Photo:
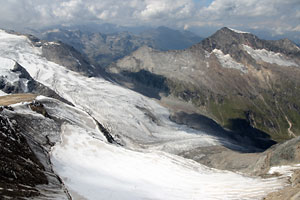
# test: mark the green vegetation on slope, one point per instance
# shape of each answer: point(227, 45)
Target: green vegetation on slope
point(274, 112)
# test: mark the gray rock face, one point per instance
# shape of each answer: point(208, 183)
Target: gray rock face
point(286, 153)
point(228, 41)
point(258, 164)
point(25, 168)
point(67, 56)
point(18, 178)
point(64, 55)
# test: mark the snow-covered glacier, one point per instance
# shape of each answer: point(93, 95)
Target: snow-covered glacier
point(145, 167)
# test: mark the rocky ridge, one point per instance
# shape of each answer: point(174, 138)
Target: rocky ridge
point(61, 53)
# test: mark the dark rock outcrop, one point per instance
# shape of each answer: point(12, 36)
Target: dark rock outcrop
point(26, 140)
point(228, 41)
point(67, 56)
point(20, 169)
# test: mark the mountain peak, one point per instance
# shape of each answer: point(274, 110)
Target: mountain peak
point(227, 39)
point(226, 31)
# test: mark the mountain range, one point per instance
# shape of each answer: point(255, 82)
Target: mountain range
point(104, 48)
point(197, 123)
point(233, 77)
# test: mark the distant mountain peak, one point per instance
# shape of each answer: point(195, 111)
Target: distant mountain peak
point(228, 40)
point(226, 32)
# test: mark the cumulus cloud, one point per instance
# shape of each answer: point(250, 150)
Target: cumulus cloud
point(278, 15)
point(275, 16)
point(125, 12)
point(247, 8)
point(167, 8)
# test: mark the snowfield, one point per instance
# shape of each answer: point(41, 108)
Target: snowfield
point(227, 61)
point(143, 169)
point(268, 56)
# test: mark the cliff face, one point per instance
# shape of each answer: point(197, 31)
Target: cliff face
point(235, 78)
point(25, 167)
point(20, 170)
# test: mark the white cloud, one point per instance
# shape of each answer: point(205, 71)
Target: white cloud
point(275, 16)
point(249, 8)
point(166, 12)
point(297, 28)
point(266, 14)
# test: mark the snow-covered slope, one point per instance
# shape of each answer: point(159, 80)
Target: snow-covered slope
point(227, 61)
point(92, 169)
point(268, 56)
point(237, 31)
point(137, 120)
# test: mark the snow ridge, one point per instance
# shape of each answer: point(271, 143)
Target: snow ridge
point(237, 31)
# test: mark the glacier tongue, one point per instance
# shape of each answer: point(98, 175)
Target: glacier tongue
point(93, 169)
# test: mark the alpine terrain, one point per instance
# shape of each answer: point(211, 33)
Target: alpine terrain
point(104, 48)
point(70, 131)
point(243, 83)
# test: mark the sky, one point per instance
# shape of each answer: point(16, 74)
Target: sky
point(278, 18)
